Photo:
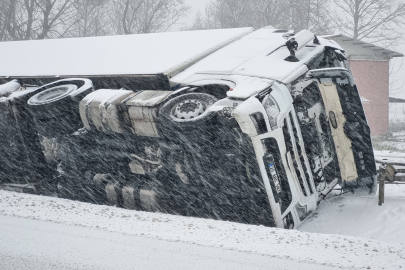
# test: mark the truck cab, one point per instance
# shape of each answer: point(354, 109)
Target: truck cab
point(302, 112)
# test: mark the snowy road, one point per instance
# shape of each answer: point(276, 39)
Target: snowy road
point(32, 244)
point(49, 233)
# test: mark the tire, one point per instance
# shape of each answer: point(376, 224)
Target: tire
point(52, 95)
point(186, 113)
point(55, 107)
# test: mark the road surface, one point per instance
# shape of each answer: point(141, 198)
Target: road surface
point(32, 244)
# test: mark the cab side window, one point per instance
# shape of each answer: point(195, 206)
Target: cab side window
point(328, 59)
point(272, 110)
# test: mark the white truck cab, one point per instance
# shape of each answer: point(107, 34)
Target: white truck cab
point(289, 103)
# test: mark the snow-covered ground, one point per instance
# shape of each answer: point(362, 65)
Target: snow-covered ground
point(389, 157)
point(392, 141)
point(63, 234)
point(362, 217)
point(397, 112)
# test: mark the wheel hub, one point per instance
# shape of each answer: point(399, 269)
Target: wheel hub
point(188, 109)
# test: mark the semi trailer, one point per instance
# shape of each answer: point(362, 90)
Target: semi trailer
point(244, 125)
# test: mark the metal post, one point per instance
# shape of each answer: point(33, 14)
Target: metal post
point(381, 179)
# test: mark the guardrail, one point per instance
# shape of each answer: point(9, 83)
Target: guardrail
point(388, 174)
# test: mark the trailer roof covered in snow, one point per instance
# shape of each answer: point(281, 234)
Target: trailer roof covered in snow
point(141, 54)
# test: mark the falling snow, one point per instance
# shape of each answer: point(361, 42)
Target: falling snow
point(218, 146)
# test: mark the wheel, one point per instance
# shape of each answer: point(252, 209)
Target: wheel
point(187, 112)
point(55, 107)
point(52, 94)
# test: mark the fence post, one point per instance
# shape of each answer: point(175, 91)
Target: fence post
point(381, 180)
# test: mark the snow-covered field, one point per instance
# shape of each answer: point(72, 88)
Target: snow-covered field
point(61, 234)
point(397, 112)
point(394, 142)
point(390, 157)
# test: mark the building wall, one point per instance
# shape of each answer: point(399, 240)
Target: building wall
point(372, 79)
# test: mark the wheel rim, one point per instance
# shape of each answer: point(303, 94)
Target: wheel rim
point(53, 93)
point(188, 109)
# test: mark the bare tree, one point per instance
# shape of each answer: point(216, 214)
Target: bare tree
point(229, 14)
point(91, 18)
point(20, 19)
point(147, 16)
point(40, 19)
point(37, 19)
point(313, 15)
point(55, 16)
point(290, 14)
point(127, 13)
point(271, 12)
point(396, 84)
point(234, 13)
point(4, 8)
point(379, 21)
point(206, 20)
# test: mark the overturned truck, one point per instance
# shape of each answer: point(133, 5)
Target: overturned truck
point(241, 125)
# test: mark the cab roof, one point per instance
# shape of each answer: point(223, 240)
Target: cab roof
point(259, 54)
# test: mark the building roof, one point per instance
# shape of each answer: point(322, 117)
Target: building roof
point(141, 54)
point(357, 48)
point(397, 100)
